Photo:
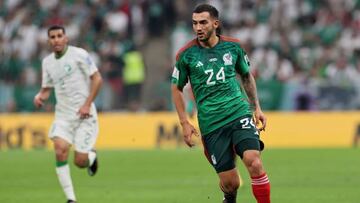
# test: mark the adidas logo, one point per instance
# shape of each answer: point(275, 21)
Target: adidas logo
point(199, 64)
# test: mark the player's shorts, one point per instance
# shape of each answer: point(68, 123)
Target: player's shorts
point(81, 133)
point(222, 145)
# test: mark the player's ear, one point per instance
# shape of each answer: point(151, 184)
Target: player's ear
point(216, 23)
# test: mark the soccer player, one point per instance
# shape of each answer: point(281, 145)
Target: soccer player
point(225, 112)
point(76, 81)
point(356, 136)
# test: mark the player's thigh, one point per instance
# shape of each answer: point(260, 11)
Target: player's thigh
point(86, 135)
point(245, 136)
point(219, 150)
point(61, 131)
point(61, 135)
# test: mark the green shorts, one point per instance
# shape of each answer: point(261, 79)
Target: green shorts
point(222, 145)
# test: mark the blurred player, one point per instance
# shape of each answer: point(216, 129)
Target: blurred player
point(76, 80)
point(356, 136)
point(210, 62)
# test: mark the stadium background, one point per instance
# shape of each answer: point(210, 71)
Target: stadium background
point(305, 55)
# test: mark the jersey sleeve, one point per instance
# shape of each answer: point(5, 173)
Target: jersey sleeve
point(46, 79)
point(242, 63)
point(86, 63)
point(180, 73)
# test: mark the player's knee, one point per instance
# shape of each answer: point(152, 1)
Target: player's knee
point(255, 167)
point(230, 186)
point(61, 154)
point(81, 162)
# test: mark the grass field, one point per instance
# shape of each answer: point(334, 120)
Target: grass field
point(181, 176)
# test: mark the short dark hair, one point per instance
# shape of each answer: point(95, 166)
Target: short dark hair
point(207, 8)
point(56, 27)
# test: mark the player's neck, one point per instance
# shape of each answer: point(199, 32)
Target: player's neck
point(211, 42)
point(61, 53)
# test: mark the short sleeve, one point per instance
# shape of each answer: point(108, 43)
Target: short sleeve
point(46, 79)
point(87, 64)
point(180, 73)
point(242, 62)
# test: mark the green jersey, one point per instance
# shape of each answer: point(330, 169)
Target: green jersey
point(212, 75)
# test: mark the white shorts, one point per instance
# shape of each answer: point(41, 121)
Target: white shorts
point(81, 133)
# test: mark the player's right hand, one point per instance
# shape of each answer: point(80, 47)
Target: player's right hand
point(188, 131)
point(38, 101)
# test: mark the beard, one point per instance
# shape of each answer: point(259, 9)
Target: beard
point(206, 36)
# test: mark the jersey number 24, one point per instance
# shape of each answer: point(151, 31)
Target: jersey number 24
point(220, 76)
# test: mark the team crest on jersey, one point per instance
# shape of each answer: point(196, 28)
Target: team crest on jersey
point(67, 68)
point(227, 59)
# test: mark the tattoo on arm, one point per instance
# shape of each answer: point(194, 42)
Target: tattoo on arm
point(249, 85)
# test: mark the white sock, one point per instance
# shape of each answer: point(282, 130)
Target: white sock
point(91, 156)
point(63, 173)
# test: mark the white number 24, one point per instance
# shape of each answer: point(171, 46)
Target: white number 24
point(245, 124)
point(219, 76)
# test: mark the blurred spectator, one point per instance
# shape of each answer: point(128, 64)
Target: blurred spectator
point(25, 90)
point(7, 103)
point(293, 46)
point(134, 77)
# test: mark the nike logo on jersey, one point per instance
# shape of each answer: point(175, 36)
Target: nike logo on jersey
point(213, 59)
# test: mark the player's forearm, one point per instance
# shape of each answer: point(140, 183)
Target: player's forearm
point(96, 82)
point(178, 100)
point(249, 84)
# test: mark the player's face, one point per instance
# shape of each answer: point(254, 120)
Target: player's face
point(204, 25)
point(57, 40)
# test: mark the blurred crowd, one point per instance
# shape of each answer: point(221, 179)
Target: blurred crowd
point(305, 54)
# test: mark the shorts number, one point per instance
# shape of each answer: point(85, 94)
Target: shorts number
point(245, 123)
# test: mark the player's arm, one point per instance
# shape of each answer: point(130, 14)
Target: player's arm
point(249, 85)
point(46, 86)
point(179, 80)
point(95, 84)
point(42, 96)
point(187, 127)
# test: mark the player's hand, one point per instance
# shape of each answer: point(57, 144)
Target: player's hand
point(84, 112)
point(188, 131)
point(260, 117)
point(38, 101)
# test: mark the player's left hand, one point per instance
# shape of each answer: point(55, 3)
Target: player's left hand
point(260, 117)
point(84, 112)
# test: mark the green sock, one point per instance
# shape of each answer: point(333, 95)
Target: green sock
point(61, 163)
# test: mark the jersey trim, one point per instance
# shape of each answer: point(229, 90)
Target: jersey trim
point(229, 39)
point(62, 53)
point(187, 46)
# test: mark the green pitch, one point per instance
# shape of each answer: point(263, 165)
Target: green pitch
point(181, 176)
